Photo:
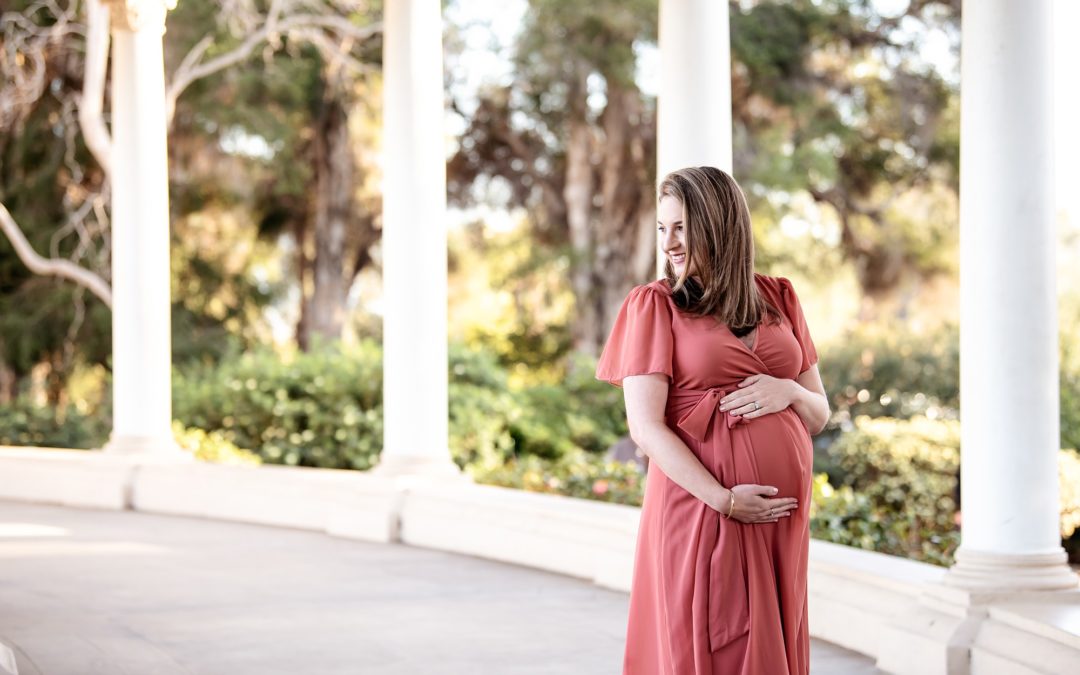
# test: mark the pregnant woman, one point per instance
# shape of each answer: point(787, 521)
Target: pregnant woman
point(722, 393)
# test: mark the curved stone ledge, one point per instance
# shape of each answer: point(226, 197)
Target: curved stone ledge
point(889, 608)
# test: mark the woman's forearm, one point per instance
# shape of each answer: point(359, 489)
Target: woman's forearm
point(679, 463)
point(812, 407)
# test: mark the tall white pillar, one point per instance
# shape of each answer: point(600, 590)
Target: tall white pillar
point(693, 112)
point(142, 353)
point(1008, 304)
point(415, 356)
point(693, 115)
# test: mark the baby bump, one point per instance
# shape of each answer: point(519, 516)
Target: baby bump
point(783, 452)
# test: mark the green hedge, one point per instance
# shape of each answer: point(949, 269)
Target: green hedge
point(891, 486)
point(895, 490)
point(322, 408)
point(576, 474)
point(882, 371)
point(23, 422)
point(212, 446)
point(879, 371)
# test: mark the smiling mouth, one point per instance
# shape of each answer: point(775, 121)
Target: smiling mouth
point(678, 258)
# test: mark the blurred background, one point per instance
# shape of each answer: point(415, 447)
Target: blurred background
point(846, 142)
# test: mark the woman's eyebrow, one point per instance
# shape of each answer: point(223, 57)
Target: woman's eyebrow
point(674, 222)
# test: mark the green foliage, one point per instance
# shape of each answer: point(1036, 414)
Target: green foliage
point(24, 422)
point(558, 36)
point(479, 408)
point(492, 421)
point(1069, 320)
point(212, 446)
point(891, 486)
point(575, 474)
point(1069, 493)
point(885, 372)
point(322, 408)
point(897, 484)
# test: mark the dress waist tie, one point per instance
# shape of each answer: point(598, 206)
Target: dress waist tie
point(720, 561)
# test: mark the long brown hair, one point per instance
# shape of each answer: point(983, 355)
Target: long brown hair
point(720, 246)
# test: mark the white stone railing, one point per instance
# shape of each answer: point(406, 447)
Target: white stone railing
point(858, 599)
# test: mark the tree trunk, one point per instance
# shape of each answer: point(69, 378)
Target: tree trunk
point(303, 282)
point(578, 195)
point(333, 208)
point(626, 234)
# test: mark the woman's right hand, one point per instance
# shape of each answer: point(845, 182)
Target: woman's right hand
point(755, 504)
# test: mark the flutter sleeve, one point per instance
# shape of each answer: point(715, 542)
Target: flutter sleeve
point(793, 310)
point(640, 341)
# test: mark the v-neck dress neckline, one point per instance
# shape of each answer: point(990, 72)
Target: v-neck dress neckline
point(757, 338)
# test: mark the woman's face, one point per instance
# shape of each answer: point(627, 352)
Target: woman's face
point(672, 231)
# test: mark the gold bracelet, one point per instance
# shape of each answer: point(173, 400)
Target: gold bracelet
point(731, 508)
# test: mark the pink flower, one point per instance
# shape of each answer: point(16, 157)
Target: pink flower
point(600, 487)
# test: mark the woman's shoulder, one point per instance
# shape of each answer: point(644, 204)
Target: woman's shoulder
point(652, 291)
point(778, 286)
point(657, 286)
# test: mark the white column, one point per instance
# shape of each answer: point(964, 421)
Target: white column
point(694, 106)
point(142, 355)
point(693, 113)
point(415, 358)
point(1008, 303)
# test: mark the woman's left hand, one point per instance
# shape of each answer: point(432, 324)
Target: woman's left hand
point(771, 394)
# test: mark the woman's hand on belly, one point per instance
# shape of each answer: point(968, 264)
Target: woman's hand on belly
point(755, 504)
point(771, 394)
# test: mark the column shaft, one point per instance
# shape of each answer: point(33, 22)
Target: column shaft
point(415, 358)
point(1008, 313)
point(694, 103)
point(142, 389)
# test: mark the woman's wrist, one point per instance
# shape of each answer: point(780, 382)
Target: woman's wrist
point(723, 501)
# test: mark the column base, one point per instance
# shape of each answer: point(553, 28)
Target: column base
point(953, 630)
point(417, 466)
point(990, 572)
point(162, 448)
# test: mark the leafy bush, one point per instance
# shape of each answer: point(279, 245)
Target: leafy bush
point(1069, 492)
point(480, 408)
point(23, 422)
point(211, 447)
point(879, 371)
point(901, 480)
point(891, 486)
point(491, 420)
point(322, 408)
point(844, 516)
point(576, 474)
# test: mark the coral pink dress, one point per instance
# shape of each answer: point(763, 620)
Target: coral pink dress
point(712, 596)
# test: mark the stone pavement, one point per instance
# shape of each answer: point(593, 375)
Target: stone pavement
point(84, 592)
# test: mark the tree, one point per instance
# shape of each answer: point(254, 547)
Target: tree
point(54, 142)
point(829, 100)
point(574, 137)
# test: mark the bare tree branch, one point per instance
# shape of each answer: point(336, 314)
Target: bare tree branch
point(192, 69)
point(32, 36)
point(92, 100)
point(65, 269)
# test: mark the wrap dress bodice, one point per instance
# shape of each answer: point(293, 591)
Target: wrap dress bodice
point(712, 596)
